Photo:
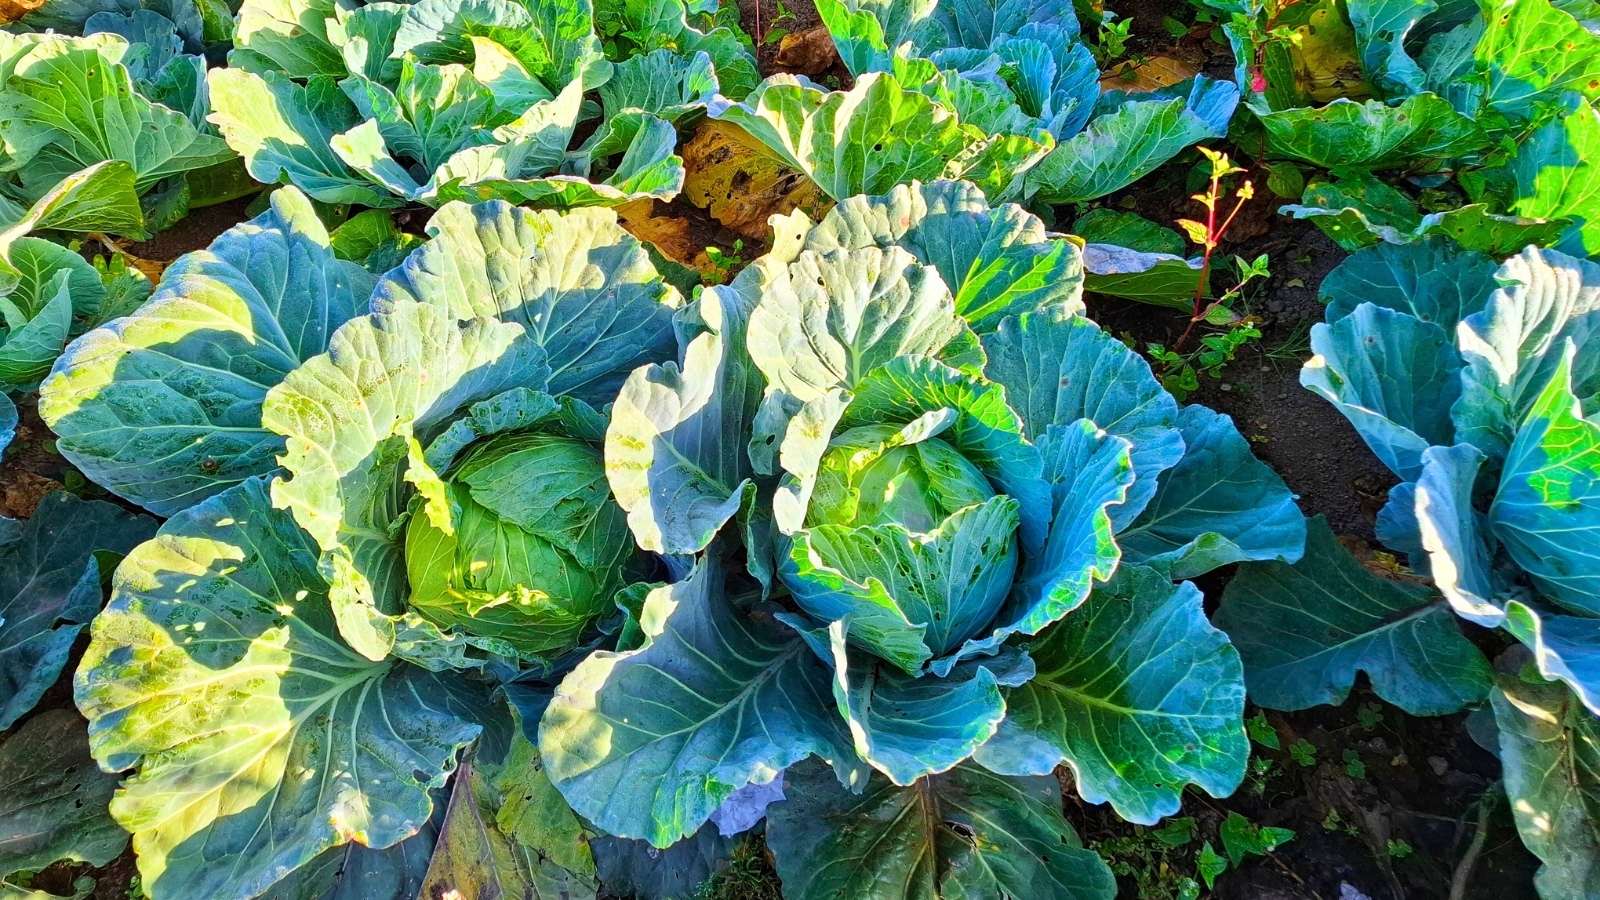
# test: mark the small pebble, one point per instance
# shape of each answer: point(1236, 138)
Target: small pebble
point(1224, 387)
point(1438, 764)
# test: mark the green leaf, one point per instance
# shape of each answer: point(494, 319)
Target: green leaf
point(1393, 376)
point(1531, 52)
point(476, 857)
point(675, 449)
point(1546, 512)
point(1242, 839)
point(56, 806)
point(283, 130)
point(98, 198)
point(50, 577)
point(288, 36)
point(830, 318)
point(1159, 278)
point(908, 597)
point(676, 873)
point(1126, 229)
point(1305, 630)
point(583, 288)
point(669, 84)
point(997, 260)
point(648, 743)
point(163, 407)
point(1120, 147)
point(1137, 693)
point(1218, 505)
point(1381, 28)
point(66, 107)
point(1557, 177)
point(1058, 368)
point(33, 342)
point(261, 738)
point(347, 414)
point(908, 727)
point(965, 833)
point(1514, 345)
point(1370, 135)
point(1210, 865)
point(862, 141)
point(361, 234)
point(1550, 750)
point(1433, 279)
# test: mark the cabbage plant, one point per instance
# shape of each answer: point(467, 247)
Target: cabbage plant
point(1016, 70)
point(929, 534)
point(1470, 381)
point(387, 497)
point(382, 104)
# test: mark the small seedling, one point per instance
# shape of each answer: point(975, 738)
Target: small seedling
point(1210, 865)
point(1261, 731)
point(1303, 752)
point(1369, 715)
point(1399, 849)
point(1242, 838)
point(1353, 764)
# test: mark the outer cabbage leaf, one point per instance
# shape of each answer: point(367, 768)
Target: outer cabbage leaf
point(1564, 648)
point(583, 288)
point(636, 868)
point(1305, 630)
point(1354, 225)
point(261, 738)
point(1532, 52)
point(965, 833)
point(1121, 146)
point(288, 36)
point(863, 141)
point(830, 318)
point(648, 743)
point(348, 416)
point(283, 130)
point(1393, 376)
point(56, 808)
point(1381, 28)
point(50, 575)
point(1432, 279)
point(1550, 748)
point(997, 261)
point(66, 107)
point(1058, 368)
point(675, 448)
point(1546, 512)
point(1513, 346)
point(163, 407)
point(1557, 177)
point(1218, 505)
point(636, 27)
point(1451, 533)
point(1370, 135)
point(1137, 693)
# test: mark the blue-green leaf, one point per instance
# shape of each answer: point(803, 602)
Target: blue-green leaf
point(1452, 534)
point(583, 288)
point(1137, 693)
point(1305, 630)
point(50, 577)
point(1433, 279)
point(1394, 376)
point(1513, 346)
point(1371, 135)
point(648, 743)
point(1218, 505)
point(57, 808)
point(261, 739)
point(1547, 510)
point(964, 833)
point(997, 261)
point(164, 407)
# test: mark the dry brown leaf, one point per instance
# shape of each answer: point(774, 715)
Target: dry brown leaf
point(1148, 75)
point(12, 10)
point(24, 490)
point(669, 234)
point(808, 52)
point(742, 183)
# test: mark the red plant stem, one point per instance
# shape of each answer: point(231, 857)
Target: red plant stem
point(1213, 237)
